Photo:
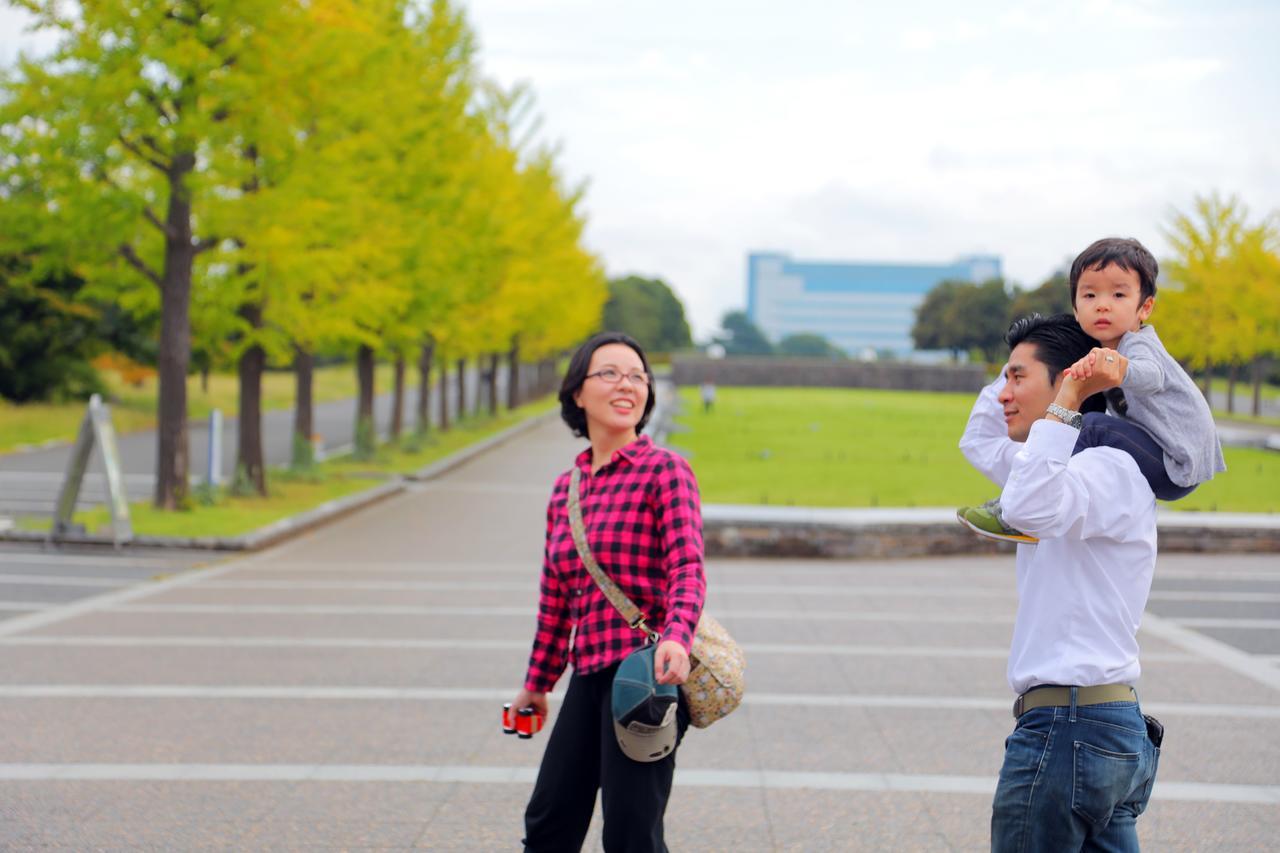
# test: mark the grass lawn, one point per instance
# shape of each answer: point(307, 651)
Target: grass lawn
point(863, 447)
point(292, 493)
point(134, 408)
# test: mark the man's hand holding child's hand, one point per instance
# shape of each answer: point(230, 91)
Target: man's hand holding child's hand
point(1101, 369)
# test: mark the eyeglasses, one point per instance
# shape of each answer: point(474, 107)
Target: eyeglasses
point(614, 377)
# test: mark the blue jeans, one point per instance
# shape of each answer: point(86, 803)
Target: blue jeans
point(1102, 430)
point(1074, 778)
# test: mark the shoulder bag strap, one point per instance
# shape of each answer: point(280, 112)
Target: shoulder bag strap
point(635, 618)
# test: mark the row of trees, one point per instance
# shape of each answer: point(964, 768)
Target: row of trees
point(1218, 303)
point(740, 336)
point(267, 180)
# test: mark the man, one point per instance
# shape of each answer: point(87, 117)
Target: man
point(1079, 766)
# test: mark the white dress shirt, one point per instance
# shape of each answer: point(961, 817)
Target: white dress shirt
point(1083, 588)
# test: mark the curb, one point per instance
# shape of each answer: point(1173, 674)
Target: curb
point(758, 531)
point(287, 528)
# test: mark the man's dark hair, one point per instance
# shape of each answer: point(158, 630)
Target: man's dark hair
point(570, 411)
point(1124, 252)
point(1059, 343)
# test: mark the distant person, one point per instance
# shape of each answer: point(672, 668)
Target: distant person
point(1080, 763)
point(708, 396)
point(643, 521)
point(1162, 420)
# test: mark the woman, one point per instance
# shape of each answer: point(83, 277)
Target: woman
point(644, 526)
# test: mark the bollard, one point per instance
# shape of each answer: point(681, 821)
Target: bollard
point(213, 476)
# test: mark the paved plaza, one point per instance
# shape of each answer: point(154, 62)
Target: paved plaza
point(344, 690)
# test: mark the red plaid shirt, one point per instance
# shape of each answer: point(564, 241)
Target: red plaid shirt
point(644, 525)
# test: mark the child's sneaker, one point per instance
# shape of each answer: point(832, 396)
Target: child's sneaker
point(985, 520)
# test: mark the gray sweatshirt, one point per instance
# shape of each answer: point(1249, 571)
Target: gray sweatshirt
point(1163, 400)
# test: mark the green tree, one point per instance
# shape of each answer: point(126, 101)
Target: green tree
point(649, 311)
point(809, 346)
point(47, 338)
point(1199, 309)
point(743, 337)
point(1052, 296)
point(962, 316)
point(137, 109)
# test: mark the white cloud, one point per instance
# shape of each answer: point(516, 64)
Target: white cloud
point(874, 131)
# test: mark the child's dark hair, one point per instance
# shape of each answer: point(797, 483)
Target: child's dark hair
point(1059, 343)
point(1124, 252)
point(570, 411)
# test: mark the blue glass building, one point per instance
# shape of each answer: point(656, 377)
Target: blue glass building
point(859, 307)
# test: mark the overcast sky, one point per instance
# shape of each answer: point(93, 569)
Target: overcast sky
point(908, 131)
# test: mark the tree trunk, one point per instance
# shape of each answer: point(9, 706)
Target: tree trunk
point(1206, 383)
point(172, 458)
point(424, 385)
point(492, 377)
point(366, 438)
point(303, 408)
point(397, 400)
point(250, 468)
point(462, 388)
point(1257, 386)
point(444, 394)
point(1231, 388)
point(204, 379)
point(513, 374)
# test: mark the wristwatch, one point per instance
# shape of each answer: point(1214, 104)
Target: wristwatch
point(1068, 417)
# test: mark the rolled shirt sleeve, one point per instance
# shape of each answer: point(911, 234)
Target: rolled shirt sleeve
point(679, 516)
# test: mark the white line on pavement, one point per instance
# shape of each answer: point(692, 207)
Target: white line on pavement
point(1227, 622)
point(1177, 632)
point(23, 605)
point(757, 779)
point(825, 591)
point(410, 610)
point(67, 580)
point(470, 694)
point(220, 641)
point(129, 559)
point(109, 600)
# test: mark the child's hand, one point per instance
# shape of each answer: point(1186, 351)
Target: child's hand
point(1105, 369)
point(1083, 368)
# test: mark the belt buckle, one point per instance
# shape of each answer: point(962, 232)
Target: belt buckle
point(1017, 705)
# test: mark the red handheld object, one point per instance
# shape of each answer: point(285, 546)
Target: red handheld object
point(528, 723)
point(508, 720)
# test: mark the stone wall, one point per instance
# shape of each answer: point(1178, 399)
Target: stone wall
point(827, 373)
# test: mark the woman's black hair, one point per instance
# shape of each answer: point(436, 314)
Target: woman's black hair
point(1059, 343)
point(574, 415)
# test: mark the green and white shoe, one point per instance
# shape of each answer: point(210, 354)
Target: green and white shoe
point(985, 520)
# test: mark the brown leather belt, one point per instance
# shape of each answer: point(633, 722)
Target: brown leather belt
point(1044, 697)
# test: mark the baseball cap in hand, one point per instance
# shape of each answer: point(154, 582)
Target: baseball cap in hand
point(644, 711)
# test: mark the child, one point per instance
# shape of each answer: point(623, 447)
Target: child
point(1162, 420)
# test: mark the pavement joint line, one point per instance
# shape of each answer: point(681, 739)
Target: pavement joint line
point(222, 641)
point(115, 598)
point(525, 775)
point(722, 588)
point(413, 610)
point(24, 605)
point(1176, 631)
point(67, 580)
point(1227, 622)
point(95, 561)
point(333, 693)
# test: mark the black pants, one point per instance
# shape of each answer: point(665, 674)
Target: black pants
point(582, 757)
point(1102, 430)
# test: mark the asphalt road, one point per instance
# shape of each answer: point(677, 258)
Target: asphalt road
point(30, 480)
